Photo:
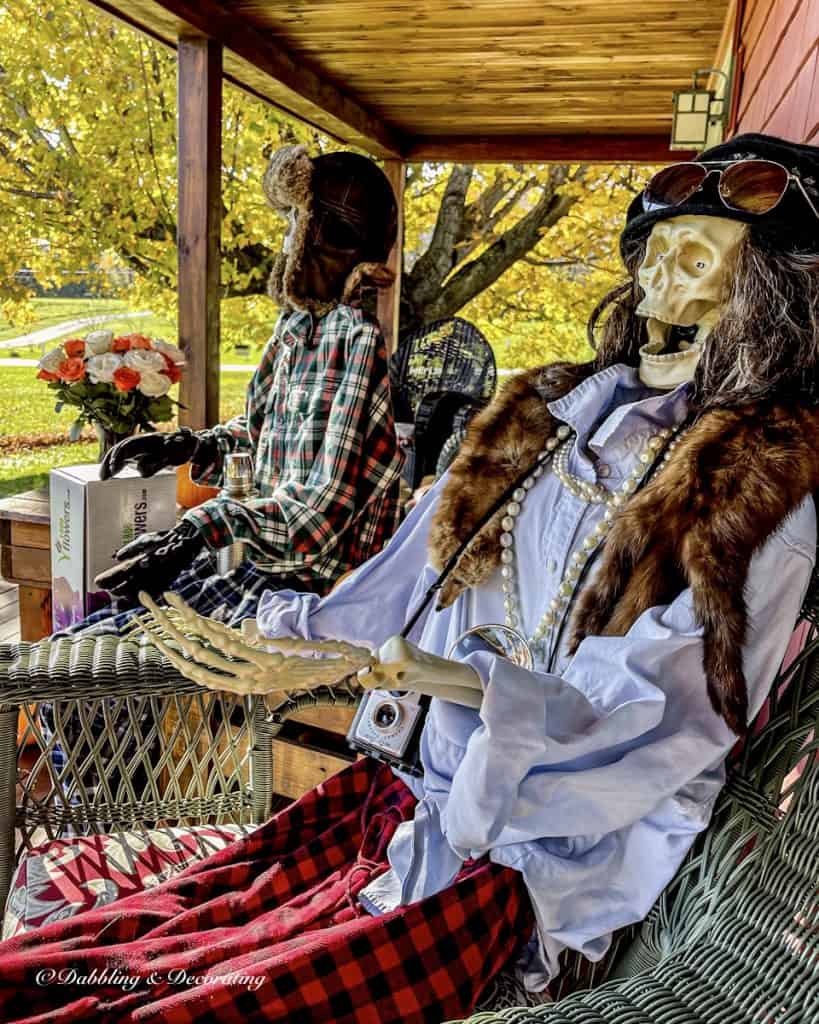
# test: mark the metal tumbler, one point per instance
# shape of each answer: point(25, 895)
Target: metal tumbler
point(237, 484)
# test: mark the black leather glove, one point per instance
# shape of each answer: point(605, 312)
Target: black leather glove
point(152, 452)
point(151, 562)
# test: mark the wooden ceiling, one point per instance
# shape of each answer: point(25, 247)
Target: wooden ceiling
point(461, 79)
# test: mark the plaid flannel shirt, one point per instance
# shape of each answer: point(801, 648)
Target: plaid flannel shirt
point(319, 425)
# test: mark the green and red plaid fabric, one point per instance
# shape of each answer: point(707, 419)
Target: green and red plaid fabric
point(268, 930)
point(319, 425)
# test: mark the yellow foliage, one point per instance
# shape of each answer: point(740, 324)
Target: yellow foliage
point(18, 312)
point(88, 181)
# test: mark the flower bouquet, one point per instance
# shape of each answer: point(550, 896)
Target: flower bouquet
point(119, 384)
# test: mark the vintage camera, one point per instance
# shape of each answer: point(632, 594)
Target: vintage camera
point(388, 726)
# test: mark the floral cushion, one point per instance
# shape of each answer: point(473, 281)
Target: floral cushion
point(64, 877)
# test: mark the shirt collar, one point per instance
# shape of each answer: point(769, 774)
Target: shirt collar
point(298, 327)
point(614, 402)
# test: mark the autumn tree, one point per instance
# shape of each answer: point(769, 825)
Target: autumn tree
point(88, 180)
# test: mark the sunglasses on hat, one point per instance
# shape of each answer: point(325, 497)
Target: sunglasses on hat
point(747, 186)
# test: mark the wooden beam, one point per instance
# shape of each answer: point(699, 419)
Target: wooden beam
point(304, 93)
point(389, 299)
point(737, 66)
point(600, 149)
point(199, 158)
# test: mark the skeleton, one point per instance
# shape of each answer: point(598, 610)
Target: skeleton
point(241, 662)
point(685, 276)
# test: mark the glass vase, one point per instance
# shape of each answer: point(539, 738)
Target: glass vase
point(108, 438)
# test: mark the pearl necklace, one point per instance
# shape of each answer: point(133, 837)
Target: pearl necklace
point(558, 447)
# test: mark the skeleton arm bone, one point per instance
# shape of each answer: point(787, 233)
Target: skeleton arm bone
point(400, 665)
point(237, 661)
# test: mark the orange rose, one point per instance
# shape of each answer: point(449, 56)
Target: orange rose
point(74, 347)
point(139, 341)
point(71, 370)
point(171, 369)
point(125, 379)
point(121, 344)
point(45, 375)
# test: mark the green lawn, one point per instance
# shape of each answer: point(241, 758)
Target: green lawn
point(49, 312)
point(27, 417)
point(52, 311)
point(153, 326)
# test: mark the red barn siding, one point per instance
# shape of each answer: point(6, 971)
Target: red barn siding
point(779, 58)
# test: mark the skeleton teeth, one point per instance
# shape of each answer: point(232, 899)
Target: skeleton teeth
point(657, 332)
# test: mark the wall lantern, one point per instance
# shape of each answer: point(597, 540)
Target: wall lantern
point(700, 115)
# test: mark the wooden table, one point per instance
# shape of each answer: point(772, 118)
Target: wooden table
point(25, 558)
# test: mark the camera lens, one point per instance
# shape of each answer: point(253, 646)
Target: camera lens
point(386, 716)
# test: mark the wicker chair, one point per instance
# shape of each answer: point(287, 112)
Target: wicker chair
point(170, 752)
point(734, 938)
point(439, 373)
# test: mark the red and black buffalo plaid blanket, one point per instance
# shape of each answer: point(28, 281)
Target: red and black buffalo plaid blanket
point(269, 929)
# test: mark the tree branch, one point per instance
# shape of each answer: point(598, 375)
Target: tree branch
point(494, 218)
point(482, 272)
point(434, 265)
point(151, 145)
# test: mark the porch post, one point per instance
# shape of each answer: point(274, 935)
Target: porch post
point(389, 299)
point(199, 161)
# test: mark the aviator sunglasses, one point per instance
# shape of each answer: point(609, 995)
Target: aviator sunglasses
point(748, 186)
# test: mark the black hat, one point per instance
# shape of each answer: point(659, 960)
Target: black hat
point(790, 226)
point(356, 190)
point(346, 220)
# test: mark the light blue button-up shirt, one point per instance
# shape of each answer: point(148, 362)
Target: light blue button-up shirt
point(594, 777)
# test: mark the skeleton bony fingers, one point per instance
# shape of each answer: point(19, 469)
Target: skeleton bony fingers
point(244, 646)
point(222, 658)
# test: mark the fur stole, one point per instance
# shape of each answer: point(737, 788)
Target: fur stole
point(731, 481)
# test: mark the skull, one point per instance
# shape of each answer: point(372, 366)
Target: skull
point(685, 275)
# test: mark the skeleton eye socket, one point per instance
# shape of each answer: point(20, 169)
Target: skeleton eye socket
point(695, 259)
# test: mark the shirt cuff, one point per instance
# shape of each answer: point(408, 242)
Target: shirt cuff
point(286, 613)
point(211, 525)
point(209, 474)
point(382, 895)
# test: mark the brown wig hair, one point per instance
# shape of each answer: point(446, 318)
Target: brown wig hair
point(765, 344)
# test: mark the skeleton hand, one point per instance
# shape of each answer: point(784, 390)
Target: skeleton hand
point(400, 665)
point(222, 658)
point(239, 661)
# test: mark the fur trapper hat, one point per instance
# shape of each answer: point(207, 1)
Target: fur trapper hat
point(344, 223)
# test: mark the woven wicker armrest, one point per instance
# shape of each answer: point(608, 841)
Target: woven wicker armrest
point(645, 999)
point(347, 693)
point(82, 667)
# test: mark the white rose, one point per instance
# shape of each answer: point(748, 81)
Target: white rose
point(153, 384)
point(98, 342)
point(170, 350)
point(101, 368)
point(143, 360)
point(51, 360)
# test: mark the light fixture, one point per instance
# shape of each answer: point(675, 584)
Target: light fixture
point(700, 115)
